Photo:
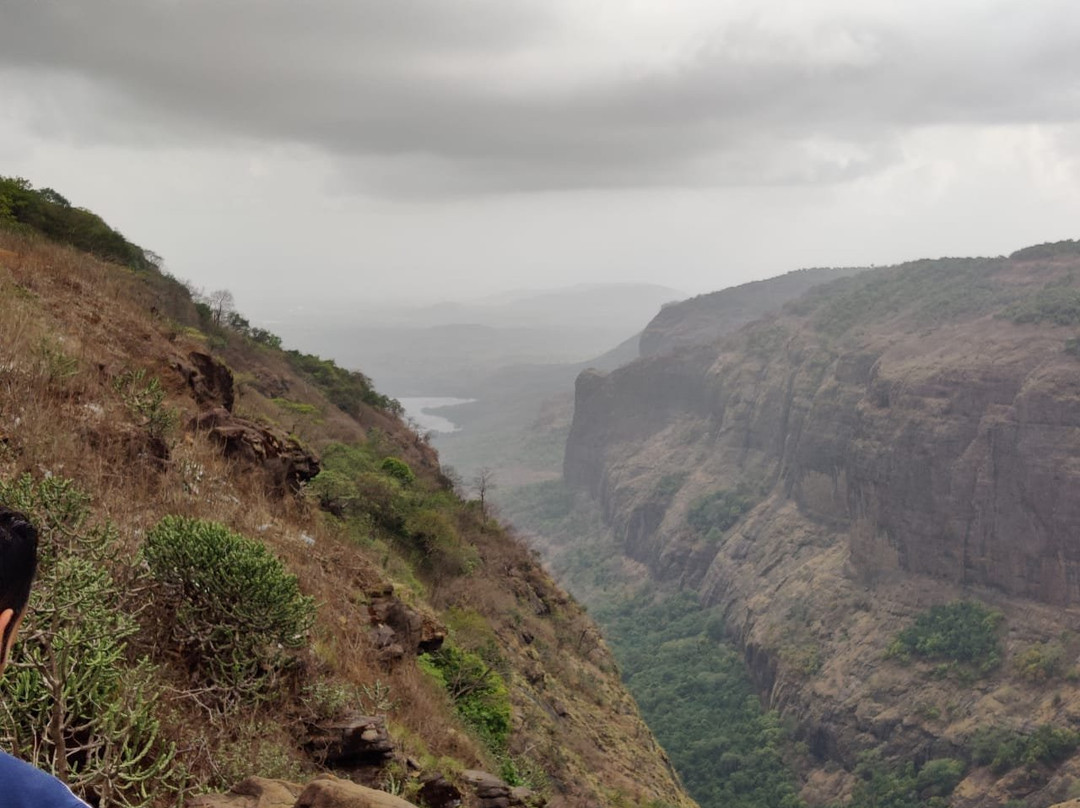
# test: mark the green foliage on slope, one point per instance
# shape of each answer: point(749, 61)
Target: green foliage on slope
point(238, 613)
point(1004, 749)
point(714, 514)
point(49, 213)
point(1053, 304)
point(891, 785)
point(478, 692)
point(697, 698)
point(75, 702)
point(346, 389)
point(961, 631)
point(930, 291)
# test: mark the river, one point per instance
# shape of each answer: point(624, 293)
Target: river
point(417, 408)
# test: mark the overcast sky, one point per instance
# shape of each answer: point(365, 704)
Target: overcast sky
point(334, 153)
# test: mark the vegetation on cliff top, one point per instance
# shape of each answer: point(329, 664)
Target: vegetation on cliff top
point(45, 211)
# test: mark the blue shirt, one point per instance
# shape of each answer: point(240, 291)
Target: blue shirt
point(23, 786)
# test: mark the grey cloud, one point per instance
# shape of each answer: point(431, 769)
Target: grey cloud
point(419, 97)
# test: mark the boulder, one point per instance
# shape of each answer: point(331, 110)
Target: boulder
point(492, 792)
point(254, 792)
point(328, 791)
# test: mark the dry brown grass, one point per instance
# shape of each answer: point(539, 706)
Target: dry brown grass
point(73, 324)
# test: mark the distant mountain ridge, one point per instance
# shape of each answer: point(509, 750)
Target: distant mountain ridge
point(705, 318)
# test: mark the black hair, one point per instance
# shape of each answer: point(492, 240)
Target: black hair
point(18, 563)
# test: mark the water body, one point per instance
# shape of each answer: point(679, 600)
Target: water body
point(417, 408)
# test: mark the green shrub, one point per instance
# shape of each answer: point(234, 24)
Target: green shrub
point(939, 777)
point(382, 499)
point(399, 470)
point(432, 530)
point(350, 460)
point(1003, 749)
point(961, 631)
point(238, 613)
point(1041, 661)
point(478, 692)
point(74, 703)
point(334, 491)
point(145, 399)
point(714, 514)
point(882, 784)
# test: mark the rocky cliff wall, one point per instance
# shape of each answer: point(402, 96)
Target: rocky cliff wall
point(904, 438)
point(951, 451)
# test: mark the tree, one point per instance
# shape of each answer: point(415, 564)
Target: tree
point(483, 482)
point(221, 302)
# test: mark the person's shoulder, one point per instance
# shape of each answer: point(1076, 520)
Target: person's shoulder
point(23, 786)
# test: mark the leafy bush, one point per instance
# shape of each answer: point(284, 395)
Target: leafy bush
point(714, 514)
point(145, 399)
point(939, 777)
point(1041, 661)
point(1004, 749)
point(74, 703)
point(961, 631)
point(884, 785)
point(399, 470)
point(478, 692)
point(334, 491)
point(238, 613)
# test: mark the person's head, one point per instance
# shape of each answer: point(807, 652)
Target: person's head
point(18, 563)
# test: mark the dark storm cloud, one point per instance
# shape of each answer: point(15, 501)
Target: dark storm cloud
point(419, 97)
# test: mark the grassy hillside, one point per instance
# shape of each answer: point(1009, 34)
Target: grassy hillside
point(243, 545)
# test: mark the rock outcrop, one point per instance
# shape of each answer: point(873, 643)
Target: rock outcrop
point(354, 740)
point(208, 379)
point(399, 628)
point(284, 462)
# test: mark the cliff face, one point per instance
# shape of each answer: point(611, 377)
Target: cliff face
point(905, 437)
